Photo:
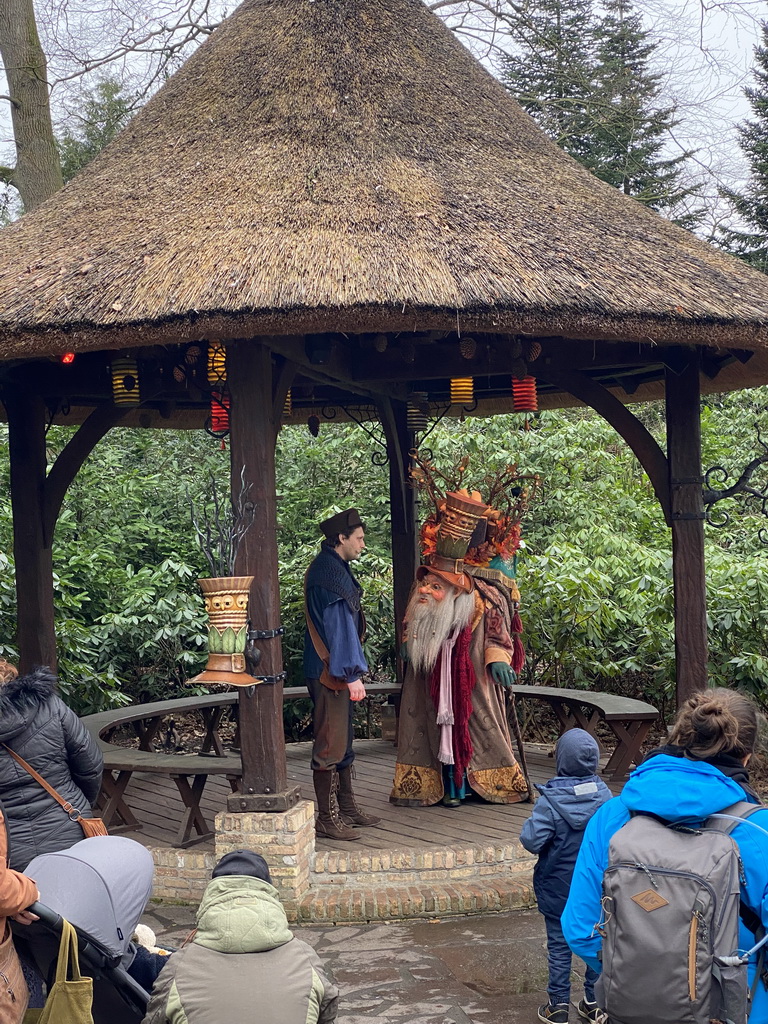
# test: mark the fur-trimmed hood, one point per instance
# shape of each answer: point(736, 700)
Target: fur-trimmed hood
point(21, 698)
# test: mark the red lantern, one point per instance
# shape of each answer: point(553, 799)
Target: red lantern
point(219, 413)
point(524, 397)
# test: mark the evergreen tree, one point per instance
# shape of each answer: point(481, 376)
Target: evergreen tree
point(104, 112)
point(751, 205)
point(551, 71)
point(631, 127)
point(587, 81)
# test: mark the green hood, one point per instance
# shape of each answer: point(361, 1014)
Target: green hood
point(239, 914)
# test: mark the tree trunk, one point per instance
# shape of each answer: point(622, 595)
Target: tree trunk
point(37, 174)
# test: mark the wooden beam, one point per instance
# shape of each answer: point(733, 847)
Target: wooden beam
point(253, 434)
point(683, 398)
point(402, 497)
point(639, 439)
point(71, 458)
point(27, 422)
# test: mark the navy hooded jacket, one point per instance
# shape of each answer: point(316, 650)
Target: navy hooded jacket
point(555, 829)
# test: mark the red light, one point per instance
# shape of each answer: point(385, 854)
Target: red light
point(524, 398)
point(68, 357)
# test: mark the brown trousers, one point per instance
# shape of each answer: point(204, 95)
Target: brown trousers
point(331, 726)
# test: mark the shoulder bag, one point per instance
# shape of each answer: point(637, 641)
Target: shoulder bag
point(90, 826)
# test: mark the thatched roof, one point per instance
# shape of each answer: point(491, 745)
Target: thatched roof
point(347, 165)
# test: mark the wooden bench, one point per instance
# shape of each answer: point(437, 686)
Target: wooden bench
point(629, 720)
point(146, 720)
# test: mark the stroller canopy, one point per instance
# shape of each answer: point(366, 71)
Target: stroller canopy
point(100, 885)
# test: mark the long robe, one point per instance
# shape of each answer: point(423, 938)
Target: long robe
point(493, 772)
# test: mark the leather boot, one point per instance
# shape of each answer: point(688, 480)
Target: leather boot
point(329, 822)
point(350, 812)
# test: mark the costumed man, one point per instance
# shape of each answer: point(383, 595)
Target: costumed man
point(462, 647)
point(333, 664)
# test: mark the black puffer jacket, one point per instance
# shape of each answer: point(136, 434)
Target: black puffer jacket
point(38, 725)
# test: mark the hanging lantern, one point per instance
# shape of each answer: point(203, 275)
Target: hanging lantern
point(288, 405)
point(524, 398)
point(217, 363)
point(125, 382)
point(462, 391)
point(416, 415)
point(468, 348)
point(219, 413)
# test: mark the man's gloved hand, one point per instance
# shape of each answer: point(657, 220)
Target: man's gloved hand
point(502, 673)
point(404, 651)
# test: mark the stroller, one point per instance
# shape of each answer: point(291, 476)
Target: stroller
point(101, 886)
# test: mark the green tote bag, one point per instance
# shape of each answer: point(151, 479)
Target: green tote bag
point(69, 1001)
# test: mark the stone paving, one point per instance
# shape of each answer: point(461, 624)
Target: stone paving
point(467, 970)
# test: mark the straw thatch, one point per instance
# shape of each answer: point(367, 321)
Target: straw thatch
point(347, 165)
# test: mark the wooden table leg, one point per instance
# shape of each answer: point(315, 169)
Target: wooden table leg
point(112, 802)
point(211, 719)
point(146, 729)
point(193, 815)
point(630, 737)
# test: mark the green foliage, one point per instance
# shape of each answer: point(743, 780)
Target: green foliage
point(104, 111)
point(595, 574)
point(586, 79)
point(750, 242)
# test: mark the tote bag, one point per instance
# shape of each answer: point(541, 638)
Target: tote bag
point(69, 1001)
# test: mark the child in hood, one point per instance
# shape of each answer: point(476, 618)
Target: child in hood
point(554, 831)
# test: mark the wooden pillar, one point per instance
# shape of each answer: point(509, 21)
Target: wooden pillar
point(683, 412)
point(254, 424)
point(27, 417)
point(402, 497)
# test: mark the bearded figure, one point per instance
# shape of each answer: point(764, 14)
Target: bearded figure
point(461, 639)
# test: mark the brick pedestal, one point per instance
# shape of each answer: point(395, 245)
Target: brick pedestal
point(286, 840)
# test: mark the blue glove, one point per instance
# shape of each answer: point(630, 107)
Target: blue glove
point(502, 673)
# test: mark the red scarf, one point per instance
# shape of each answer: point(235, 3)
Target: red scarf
point(462, 684)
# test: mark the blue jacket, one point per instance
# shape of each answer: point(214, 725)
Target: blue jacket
point(337, 623)
point(675, 789)
point(555, 829)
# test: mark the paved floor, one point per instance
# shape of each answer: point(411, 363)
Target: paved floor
point(468, 970)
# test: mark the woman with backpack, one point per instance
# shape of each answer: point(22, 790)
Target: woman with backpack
point(664, 805)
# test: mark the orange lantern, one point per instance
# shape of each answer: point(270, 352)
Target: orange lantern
point(524, 398)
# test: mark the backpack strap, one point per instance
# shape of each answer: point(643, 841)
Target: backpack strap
point(743, 810)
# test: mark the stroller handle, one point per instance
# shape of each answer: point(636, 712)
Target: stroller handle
point(46, 915)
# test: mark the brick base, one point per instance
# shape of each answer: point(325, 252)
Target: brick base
point(354, 885)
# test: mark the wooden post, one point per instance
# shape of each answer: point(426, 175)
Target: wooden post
point(27, 417)
point(254, 425)
point(683, 412)
point(402, 497)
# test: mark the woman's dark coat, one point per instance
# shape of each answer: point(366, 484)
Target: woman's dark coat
point(38, 725)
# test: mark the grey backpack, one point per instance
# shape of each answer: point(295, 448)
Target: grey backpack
point(670, 924)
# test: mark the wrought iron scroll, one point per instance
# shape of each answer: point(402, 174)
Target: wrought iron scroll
point(364, 416)
point(757, 496)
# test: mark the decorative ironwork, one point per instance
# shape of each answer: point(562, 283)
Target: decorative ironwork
point(364, 416)
point(757, 496)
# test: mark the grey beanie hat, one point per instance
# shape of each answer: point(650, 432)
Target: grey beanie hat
point(242, 862)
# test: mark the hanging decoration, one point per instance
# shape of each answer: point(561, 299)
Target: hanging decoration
point(524, 397)
point(417, 412)
point(219, 413)
point(462, 390)
point(467, 348)
point(125, 382)
point(217, 363)
point(313, 425)
point(288, 405)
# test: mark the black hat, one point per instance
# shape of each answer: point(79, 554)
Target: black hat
point(242, 862)
point(343, 522)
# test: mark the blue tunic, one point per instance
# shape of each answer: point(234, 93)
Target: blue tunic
point(337, 622)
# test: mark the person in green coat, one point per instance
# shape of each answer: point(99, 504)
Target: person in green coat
point(243, 963)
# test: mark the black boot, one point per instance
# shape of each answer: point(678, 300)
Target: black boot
point(350, 812)
point(329, 821)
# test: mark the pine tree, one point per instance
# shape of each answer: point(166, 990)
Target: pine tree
point(104, 112)
point(751, 205)
point(551, 71)
point(631, 127)
point(588, 83)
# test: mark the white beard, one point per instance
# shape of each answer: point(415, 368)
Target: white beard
point(430, 624)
